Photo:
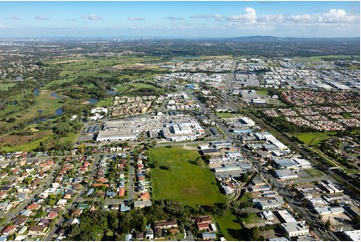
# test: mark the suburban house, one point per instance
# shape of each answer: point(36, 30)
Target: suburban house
point(37, 230)
point(166, 224)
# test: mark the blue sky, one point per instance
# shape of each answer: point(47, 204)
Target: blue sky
point(180, 19)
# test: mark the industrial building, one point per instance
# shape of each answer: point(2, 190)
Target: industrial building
point(285, 174)
point(294, 229)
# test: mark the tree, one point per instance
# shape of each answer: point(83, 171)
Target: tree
point(356, 221)
point(328, 224)
point(254, 233)
point(244, 177)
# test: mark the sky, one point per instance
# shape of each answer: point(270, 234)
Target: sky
point(179, 19)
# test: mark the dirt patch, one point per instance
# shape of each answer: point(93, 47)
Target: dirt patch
point(335, 219)
point(189, 190)
point(68, 61)
point(136, 66)
point(186, 147)
point(15, 140)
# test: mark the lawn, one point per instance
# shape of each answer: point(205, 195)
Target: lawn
point(314, 172)
point(6, 86)
point(313, 138)
point(246, 196)
point(230, 227)
point(225, 115)
point(252, 218)
point(70, 137)
point(184, 182)
point(105, 102)
point(263, 93)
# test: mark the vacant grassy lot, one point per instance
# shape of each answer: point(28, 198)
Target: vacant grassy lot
point(263, 93)
point(225, 115)
point(184, 182)
point(313, 138)
point(252, 218)
point(230, 227)
point(314, 172)
point(246, 196)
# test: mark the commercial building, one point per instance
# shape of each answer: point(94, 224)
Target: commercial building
point(285, 164)
point(268, 203)
point(285, 174)
point(174, 127)
point(285, 217)
point(294, 229)
point(329, 210)
point(353, 235)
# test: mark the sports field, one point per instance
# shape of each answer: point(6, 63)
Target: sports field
point(186, 183)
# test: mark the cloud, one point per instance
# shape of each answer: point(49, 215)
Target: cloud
point(135, 27)
point(15, 18)
point(174, 18)
point(270, 18)
point(249, 19)
point(304, 18)
point(2, 26)
point(42, 18)
point(338, 16)
point(217, 17)
point(135, 19)
point(250, 16)
point(91, 17)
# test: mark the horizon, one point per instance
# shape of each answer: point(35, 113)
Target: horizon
point(174, 20)
point(115, 38)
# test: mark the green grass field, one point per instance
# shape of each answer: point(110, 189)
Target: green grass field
point(105, 102)
point(70, 137)
point(225, 115)
point(263, 93)
point(246, 196)
point(252, 218)
point(5, 86)
point(320, 58)
point(314, 172)
point(229, 226)
point(185, 183)
point(313, 138)
point(141, 85)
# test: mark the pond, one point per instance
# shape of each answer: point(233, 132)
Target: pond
point(111, 92)
point(36, 91)
point(59, 111)
point(93, 101)
point(54, 94)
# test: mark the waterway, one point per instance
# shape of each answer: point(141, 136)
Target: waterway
point(36, 91)
point(93, 101)
point(54, 94)
point(59, 111)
